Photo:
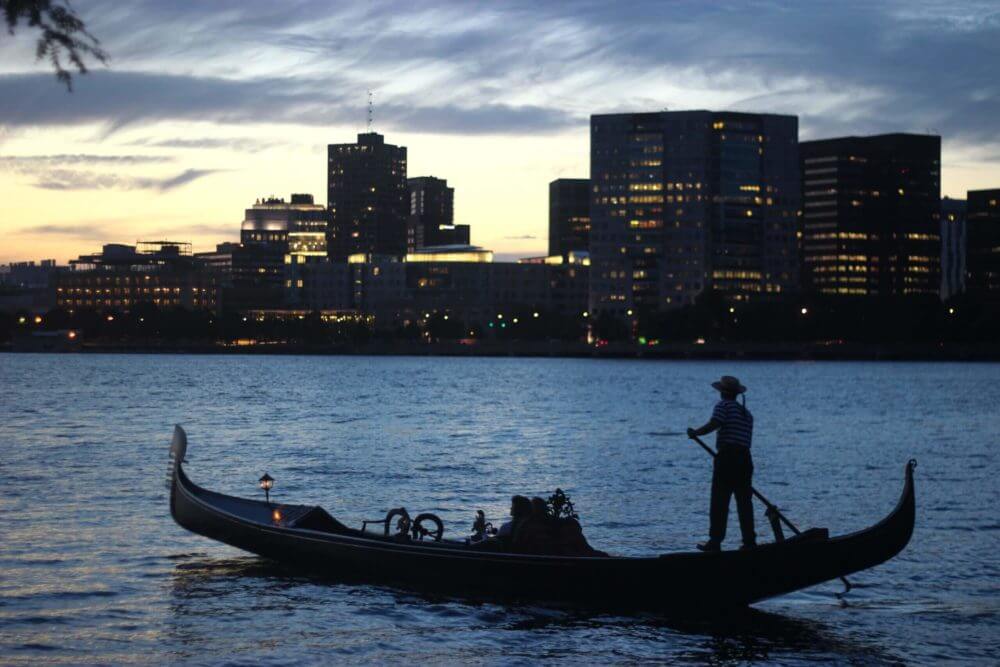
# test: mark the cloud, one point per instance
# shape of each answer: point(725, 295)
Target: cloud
point(70, 179)
point(33, 162)
point(121, 229)
point(82, 171)
point(246, 144)
point(117, 100)
point(90, 230)
point(527, 68)
point(230, 230)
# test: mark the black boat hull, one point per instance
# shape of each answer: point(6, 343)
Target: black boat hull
point(678, 581)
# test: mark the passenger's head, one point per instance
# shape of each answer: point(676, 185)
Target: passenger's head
point(520, 506)
point(538, 507)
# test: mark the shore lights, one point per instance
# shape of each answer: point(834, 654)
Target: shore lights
point(266, 482)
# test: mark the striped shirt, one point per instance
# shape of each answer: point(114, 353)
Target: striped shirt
point(737, 424)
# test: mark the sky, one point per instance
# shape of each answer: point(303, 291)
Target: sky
point(205, 107)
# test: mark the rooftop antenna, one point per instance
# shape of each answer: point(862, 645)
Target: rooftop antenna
point(371, 109)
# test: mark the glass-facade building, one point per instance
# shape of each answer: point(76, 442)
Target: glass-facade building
point(432, 215)
point(871, 215)
point(688, 201)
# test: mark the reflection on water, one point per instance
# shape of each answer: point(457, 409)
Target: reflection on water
point(202, 586)
point(93, 570)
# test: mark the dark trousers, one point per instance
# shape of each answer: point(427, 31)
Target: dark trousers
point(731, 476)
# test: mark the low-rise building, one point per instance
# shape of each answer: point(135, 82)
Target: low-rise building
point(163, 273)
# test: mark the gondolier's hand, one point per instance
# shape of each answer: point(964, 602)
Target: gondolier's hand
point(691, 433)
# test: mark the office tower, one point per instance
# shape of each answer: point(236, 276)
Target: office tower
point(953, 242)
point(871, 209)
point(367, 198)
point(432, 215)
point(983, 244)
point(569, 216)
point(688, 201)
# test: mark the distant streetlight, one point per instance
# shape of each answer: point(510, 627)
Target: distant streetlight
point(515, 320)
point(804, 311)
point(446, 317)
point(629, 312)
point(111, 318)
point(586, 314)
point(22, 319)
point(731, 309)
point(71, 335)
point(951, 311)
point(499, 316)
point(535, 314)
point(38, 319)
point(266, 482)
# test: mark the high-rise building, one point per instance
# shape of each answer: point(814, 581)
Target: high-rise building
point(983, 244)
point(569, 216)
point(953, 241)
point(432, 215)
point(871, 215)
point(367, 198)
point(688, 201)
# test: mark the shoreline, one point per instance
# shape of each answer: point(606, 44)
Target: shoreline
point(797, 351)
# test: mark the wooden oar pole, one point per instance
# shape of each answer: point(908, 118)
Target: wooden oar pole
point(771, 507)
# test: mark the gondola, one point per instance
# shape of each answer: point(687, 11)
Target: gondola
point(308, 537)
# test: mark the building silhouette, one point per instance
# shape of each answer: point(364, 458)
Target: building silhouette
point(569, 216)
point(983, 245)
point(367, 198)
point(953, 247)
point(432, 215)
point(871, 215)
point(688, 201)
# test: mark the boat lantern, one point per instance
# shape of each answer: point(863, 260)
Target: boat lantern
point(266, 482)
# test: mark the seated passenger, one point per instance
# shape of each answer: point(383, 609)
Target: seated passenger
point(520, 510)
point(534, 535)
point(569, 540)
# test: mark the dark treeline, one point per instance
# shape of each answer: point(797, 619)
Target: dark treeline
point(900, 320)
point(147, 323)
point(712, 319)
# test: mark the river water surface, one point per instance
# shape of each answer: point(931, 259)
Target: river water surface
point(93, 569)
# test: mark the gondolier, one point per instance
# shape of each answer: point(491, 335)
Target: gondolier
point(733, 471)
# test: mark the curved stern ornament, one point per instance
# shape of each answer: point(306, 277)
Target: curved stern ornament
point(178, 449)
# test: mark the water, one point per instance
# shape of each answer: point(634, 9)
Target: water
point(93, 569)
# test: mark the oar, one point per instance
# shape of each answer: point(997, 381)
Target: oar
point(771, 507)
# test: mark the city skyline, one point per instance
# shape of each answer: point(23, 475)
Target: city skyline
point(174, 139)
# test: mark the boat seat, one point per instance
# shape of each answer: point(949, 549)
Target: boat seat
point(316, 518)
point(810, 535)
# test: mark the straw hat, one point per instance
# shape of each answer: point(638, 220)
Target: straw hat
point(729, 384)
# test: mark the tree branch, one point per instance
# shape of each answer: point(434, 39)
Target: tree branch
point(64, 40)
